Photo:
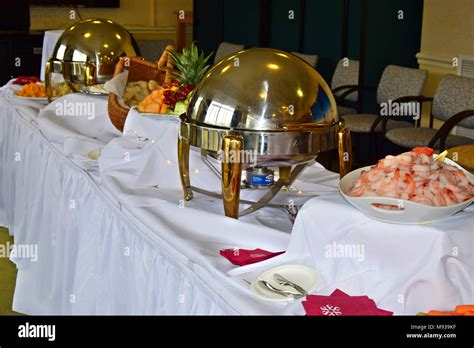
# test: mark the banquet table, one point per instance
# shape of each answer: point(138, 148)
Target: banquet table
point(115, 237)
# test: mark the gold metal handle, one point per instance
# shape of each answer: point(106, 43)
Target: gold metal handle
point(47, 81)
point(89, 75)
point(183, 164)
point(284, 175)
point(345, 151)
point(231, 174)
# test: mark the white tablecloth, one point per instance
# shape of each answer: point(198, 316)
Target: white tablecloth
point(110, 243)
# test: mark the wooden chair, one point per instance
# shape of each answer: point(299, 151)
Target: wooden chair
point(181, 24)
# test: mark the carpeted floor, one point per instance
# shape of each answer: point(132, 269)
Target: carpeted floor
point(7, 277)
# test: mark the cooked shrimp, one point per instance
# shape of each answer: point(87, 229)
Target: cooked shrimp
point(415, 176)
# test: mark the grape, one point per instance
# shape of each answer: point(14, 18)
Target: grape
point(175, 83)
point(166, 85)
point(172, 99)
point(181, 95)
point(187, 88)
point(167, 93)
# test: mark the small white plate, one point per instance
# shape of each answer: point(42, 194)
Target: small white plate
point(307, 278)
point(32, 98)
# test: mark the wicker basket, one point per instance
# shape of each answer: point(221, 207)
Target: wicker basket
point(139, 70)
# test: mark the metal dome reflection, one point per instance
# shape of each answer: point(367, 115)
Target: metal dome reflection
point(262, 89)
point(94, 40)
point(87, 51)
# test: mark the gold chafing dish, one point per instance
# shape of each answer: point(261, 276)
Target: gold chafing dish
point(86, 53)
point(266, 102)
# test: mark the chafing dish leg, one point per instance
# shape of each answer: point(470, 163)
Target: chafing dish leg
point(47, 81)
point(231, 174)
point(284, 173)
point(183, 161)
point(345, 151)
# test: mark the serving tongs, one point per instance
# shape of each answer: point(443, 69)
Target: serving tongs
point(287, 293)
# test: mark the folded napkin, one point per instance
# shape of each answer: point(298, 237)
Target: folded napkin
point(243, 257)
point(117, 84)
point(341, 304)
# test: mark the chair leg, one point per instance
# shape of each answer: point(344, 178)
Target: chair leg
point(356, 139)
point(374, 146)
point(379, 146)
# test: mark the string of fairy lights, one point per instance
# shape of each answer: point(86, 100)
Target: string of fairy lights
point(293, 188)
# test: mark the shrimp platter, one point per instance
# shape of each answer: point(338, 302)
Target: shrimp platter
point(415, 176)
point(410, 188)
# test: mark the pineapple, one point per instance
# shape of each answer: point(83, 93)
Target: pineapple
point(190, 65)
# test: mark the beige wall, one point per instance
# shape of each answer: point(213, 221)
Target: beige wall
point(448, 28)
point(146, 19)
point(448, 32)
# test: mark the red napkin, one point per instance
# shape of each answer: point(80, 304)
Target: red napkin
point(244, 257)
point(340, 304)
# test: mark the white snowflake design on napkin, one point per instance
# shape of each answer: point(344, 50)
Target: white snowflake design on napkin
point(331, 310)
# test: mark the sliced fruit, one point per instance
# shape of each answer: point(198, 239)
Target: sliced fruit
point(180, 108)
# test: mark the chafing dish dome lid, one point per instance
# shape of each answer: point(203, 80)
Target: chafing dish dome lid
point(94, 40)
point(262, 89)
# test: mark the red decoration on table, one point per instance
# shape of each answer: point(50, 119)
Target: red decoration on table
point(24, 80)
point(244, 257)
point(340, 304)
